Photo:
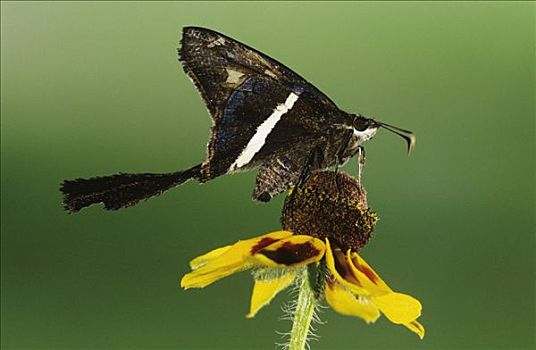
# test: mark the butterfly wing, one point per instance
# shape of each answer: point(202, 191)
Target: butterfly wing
point(242, 88)
point(217, 64)
point(279, 173)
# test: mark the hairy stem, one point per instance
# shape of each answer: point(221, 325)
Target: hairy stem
point(303, 315)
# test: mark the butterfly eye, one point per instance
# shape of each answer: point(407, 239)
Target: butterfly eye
point(361, 123)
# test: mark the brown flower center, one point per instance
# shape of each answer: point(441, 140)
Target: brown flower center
point(330, 206)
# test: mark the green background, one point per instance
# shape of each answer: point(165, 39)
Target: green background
point(95, 88)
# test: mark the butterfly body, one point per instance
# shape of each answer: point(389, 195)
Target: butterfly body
point(264, 115)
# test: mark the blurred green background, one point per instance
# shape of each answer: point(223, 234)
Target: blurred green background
point(95, 88)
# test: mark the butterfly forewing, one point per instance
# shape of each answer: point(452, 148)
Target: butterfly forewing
point(246, 108)
point(214, 61)
point(264, 113)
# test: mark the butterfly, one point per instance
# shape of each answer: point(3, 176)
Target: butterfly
point(264, 115)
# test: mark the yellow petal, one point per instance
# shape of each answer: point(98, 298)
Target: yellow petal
point(203, 277)
point(294, 251)
point(366, 276)
point(416, 327)
point(265, 290)
point(344, 302)
point(222, 262)
point(360, 264)
point(398, 308)
point(203, 259)
point(346, 279)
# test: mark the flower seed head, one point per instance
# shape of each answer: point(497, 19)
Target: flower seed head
point(330, 205)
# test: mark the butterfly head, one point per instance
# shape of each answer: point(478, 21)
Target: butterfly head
point(365, 129)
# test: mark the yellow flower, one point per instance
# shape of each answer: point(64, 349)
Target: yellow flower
point(326, 221)
point(351, 287)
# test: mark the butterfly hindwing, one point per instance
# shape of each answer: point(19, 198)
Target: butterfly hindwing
point(282, 171)
point(276, 176)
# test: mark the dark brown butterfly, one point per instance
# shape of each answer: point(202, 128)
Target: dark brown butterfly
point(264, 115)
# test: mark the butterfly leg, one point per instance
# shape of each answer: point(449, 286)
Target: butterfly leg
point(360, 162)
point(314, 161)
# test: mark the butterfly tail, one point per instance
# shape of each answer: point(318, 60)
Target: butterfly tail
point(121, 190)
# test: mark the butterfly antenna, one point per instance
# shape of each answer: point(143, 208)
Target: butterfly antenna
point(407, 135)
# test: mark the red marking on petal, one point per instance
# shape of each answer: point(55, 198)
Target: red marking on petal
point(291, 253)
point(266, 241)
point(369, 273)
point(341, 265)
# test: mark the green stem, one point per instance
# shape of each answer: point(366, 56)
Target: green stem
point(303, 315)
